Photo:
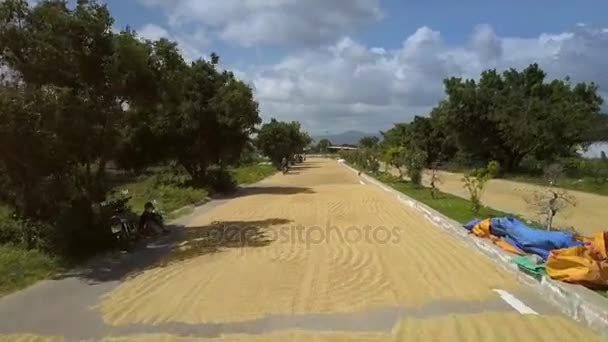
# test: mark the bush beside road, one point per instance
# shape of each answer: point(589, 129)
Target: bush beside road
point(21, 266)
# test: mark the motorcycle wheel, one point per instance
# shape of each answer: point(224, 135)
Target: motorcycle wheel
point(124, 242)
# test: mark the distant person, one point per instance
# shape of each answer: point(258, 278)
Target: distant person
point(284, 163)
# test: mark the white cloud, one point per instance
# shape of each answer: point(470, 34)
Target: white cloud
point(192, 44)
point(272, 22)
point(486, 44)
point(154, 32)
point(351, 86)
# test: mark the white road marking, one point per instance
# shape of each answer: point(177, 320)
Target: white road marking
point(515, 303)
point(362, 182)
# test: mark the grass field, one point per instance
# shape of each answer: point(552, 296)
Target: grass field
point(454, 207)
point(586, 184)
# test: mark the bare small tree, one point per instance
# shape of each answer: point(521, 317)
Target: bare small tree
point(435, 179)
point(549, 201)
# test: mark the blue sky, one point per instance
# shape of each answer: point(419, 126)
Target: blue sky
point(366, 64)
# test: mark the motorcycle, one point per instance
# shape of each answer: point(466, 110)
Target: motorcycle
point(285, 169)
point(122, 228)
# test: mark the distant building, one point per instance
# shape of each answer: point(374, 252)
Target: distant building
point(341, 148)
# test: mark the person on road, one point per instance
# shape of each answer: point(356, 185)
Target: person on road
point(284, 163)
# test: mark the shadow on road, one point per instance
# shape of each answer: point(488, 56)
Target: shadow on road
point(182, 244)
point(303, 167)
point(266, 190)
point(219, 236)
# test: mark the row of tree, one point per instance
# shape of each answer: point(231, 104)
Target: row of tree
point(517, 118)
point(78, 98)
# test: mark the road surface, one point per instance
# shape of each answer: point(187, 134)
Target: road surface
point(313, 255)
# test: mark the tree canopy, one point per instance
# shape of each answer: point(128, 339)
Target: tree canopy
point(369, 142)
point(278, 139)
point(76, 97)
point(506, 117)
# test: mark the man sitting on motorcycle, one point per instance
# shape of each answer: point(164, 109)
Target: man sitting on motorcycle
point(284, 163)
point(150, 220)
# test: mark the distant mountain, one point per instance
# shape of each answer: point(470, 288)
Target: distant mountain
point(349, 137)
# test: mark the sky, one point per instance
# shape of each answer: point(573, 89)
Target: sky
point(338, 65)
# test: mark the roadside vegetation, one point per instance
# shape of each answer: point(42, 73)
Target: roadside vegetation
point(519, 119)
point(587, 175)
point(454, 207)
point(253, 174)
point(89, 113)
point(516, 125)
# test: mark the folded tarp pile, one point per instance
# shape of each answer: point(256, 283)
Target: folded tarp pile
point(568, 257)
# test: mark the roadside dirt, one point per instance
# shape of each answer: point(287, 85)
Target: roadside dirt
point(588, 217)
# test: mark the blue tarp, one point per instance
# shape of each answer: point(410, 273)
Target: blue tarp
point(529, 240)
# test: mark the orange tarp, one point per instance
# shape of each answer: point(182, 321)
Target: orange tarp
point(586, 265)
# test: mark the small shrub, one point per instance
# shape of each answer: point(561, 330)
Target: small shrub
point(414, 161)
point(435, 179)
point(24, 233)
point(220, 180)
point(475, 182)
point(10, 227)
point(552, 173)
point(79, 232)
point(364, 158)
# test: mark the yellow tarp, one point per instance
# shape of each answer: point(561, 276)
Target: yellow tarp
point(586, 265)
point(482, 230)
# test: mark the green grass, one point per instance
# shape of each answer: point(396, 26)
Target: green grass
point(454, 207)
point(20, 268)
point(170, 191)
point(252, 174)
point(586, 184)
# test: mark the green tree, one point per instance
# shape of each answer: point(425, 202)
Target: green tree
point(278, 139)
point(390, 156)
point(67, 57)
point(369, 142)
point(396, 136)
point(83, 96)
point(323, 146)
point(414, 160)
point(518, 114)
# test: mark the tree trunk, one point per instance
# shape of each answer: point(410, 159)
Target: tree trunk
point(550, 219)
